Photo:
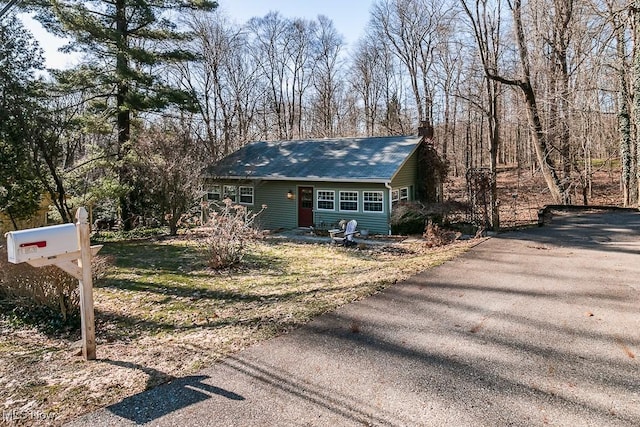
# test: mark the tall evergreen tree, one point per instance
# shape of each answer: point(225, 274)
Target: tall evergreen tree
point(20, 57)
point(126, 43)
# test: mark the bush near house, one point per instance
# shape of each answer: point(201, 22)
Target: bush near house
point(408, 218)
point(413, 217)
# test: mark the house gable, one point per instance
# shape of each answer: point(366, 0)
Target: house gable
point(350, 178)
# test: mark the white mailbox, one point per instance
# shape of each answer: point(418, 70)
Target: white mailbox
point(44, 242)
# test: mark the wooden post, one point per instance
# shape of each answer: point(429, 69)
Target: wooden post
point(86, 287)
point(69, 251)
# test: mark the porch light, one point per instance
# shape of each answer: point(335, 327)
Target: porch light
point(290, 195)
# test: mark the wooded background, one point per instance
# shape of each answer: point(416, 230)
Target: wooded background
point(165, 87)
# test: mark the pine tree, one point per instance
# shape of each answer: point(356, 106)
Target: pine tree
point(126, 43)
point(20, 57)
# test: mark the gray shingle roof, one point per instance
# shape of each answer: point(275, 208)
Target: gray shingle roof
point(342, 159)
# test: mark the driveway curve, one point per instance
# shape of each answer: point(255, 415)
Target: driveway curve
point(531, 328)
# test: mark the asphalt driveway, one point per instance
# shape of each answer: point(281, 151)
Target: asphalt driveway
point(539, 327)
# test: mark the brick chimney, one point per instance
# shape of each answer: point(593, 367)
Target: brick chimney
point(425, 130)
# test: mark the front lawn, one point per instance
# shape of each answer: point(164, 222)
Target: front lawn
point(162, 313)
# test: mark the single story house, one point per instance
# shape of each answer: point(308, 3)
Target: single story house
point(319, 182)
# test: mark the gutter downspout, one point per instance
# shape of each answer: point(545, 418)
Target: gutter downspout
point(388, 185)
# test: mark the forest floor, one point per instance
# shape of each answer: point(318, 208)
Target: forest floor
point(161, 313)
point(523, 193)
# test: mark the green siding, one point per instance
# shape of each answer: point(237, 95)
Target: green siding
point(375, 222)
point(282, 212)
point(407, 175)
point(259, 197)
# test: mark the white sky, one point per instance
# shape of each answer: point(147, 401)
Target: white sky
point(349, 17)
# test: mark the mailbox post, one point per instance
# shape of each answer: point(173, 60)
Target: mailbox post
point(87, 317)
point(68, 247)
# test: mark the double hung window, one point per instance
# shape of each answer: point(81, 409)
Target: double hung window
point(246, 195)
point(326, 200)
point(372, 201)
point(231, 192)
point(348, 200)
point(214, 193)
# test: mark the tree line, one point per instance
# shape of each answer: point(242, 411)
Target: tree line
point(165, 87)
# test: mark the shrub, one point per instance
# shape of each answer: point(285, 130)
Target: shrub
point(408, 218)
point(230, 229)
point(135, 234)
point(42, 295)
point(412, 217)
point(436, 236)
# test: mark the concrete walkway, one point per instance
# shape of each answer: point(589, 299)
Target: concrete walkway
point(532, 328)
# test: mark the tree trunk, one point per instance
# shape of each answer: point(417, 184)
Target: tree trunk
point(624, 118)
point(494, 144)
point(562, 20)
point(636, 85)
point(538, 134)
point(547, 165)
point(123, 118)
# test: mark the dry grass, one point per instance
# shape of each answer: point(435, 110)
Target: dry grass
point(161, 313)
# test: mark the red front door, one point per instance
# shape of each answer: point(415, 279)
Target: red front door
point(305, 206)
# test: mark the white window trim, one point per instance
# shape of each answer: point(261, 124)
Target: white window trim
point(215, 189)
point(381, 202)
point(407, 196)
point(395, 195)
point(357, 200)
point(225, 193)
point(318, 200)
point(239, 195)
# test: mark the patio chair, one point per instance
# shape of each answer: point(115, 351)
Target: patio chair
point(344, 236)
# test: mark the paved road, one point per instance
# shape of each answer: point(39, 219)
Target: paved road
point(532, 328)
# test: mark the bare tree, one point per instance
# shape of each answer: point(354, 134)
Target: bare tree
point(327, 47)
point(269, 47)
point(486, 22)
point(168, 166)
point(524, 83)
point(450, 58)
point(223, 82)
point(368, 80)
point(558, 39)
point(282, 49)
point(619, 24)
point(635, 13)
point(301, 67)
point(413, 28)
